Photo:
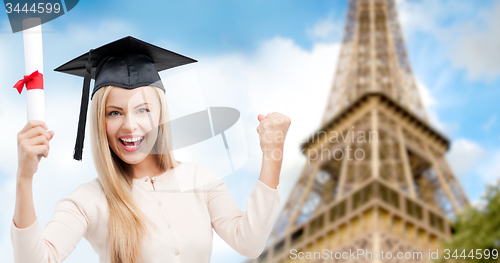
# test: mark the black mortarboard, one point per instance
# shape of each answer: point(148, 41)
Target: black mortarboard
point(127, 63)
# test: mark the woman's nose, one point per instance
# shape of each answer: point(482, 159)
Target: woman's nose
point(130, 123)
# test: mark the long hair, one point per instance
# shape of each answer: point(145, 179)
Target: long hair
point(127, 222)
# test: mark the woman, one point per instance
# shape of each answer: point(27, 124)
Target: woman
point(135, 210)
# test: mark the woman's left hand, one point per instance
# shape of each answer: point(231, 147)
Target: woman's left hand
point(272, 132)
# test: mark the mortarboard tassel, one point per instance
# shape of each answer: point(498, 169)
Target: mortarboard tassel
point(77, 155)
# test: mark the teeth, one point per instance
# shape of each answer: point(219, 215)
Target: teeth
point(131, 139)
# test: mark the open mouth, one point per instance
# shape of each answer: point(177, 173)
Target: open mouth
point(131, 144)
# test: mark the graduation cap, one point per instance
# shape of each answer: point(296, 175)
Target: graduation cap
point(127, 63)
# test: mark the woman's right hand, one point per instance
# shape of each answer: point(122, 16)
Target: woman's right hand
point(32, 141)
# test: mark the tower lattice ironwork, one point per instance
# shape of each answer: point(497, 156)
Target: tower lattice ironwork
point(376, 177)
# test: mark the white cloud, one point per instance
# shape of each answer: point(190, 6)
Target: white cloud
point(325, 29)
point(473, 164)
point(81, 34)
point(464, 155)
point(440, 18)
point(417, 16)
point(472, 40)
point(468, 158)
point(478, 44)
point(430, 105)
point(425, 95)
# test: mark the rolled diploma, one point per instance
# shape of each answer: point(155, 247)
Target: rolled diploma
point(33, 58)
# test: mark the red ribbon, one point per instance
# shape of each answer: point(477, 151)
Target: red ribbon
point(33, 81)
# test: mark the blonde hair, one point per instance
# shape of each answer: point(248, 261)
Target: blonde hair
point(127, 223)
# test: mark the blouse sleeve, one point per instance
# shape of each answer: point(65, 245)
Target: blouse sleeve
point(62, 233)
point(246, 232)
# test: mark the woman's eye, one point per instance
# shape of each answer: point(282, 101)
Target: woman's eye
point(142, 111)
point(114, 113)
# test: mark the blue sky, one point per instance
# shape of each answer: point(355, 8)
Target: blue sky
point(259, 57)
point(212, 26)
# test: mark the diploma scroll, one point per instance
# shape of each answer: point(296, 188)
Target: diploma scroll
point(33, 57)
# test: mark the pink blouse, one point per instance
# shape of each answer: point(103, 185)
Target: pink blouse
point(183, 208)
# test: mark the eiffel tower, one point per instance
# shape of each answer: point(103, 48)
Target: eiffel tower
point(376, 178)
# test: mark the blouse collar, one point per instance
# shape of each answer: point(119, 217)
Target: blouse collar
point(147, 178)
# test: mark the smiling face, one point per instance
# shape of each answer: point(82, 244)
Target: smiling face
point(132, 119)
